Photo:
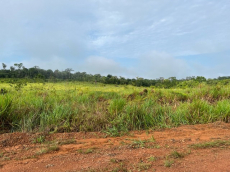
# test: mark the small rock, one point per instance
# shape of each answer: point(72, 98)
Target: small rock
point(49, 165)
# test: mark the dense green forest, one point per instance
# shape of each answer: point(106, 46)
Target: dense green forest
point(35, 74)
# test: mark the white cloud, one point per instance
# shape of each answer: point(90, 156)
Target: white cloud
point(105, 66)
point(53, 63)
point(100, 33)
point(160, 64)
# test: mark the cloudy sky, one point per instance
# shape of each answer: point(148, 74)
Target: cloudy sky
point(131, 38)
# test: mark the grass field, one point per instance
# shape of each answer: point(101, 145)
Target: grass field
point(78, 106)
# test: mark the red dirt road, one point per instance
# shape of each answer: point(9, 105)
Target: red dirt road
point(166, 150)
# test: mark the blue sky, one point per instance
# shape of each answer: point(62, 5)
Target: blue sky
point(132, 38)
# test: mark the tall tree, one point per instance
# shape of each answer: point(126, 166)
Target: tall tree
point(12, 68)
point(4, 66)
point(69, 70)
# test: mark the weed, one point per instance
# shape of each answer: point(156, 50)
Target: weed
point(6, 158)
point(189, 151)
point(87, 151)
point(113, 132)
point(3, 91)
point(66, 142)
point(176, 154)
point(49, 149)
point(138, 143)
point(39, 139)
point(113, 160)
point(123, 143)
point(213, 144)
point(168, 163)
point(152, 158)
point(143, 166)
point(121, 168)
point(158, 146)
point(152, 139)
point(18, 84)
point(80, 106)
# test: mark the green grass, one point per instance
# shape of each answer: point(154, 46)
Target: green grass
point(39, 139)
point(86, 151)
point(176, 154)
point(48, 149)
point(79, 106)
point(152, 159)
point(143, 166)
point(213, 144)
point(66, 142)
point(168, 163)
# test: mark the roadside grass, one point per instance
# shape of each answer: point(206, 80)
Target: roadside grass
point(212, 144)
point(152, 158)
point(143, 166)
point(120, 168)
point(176, 154)
point(67, 142)
point(39, 139)
point(85, 151)
point(170, 159)
point(168, 163)
point(79, 106)
point(49, 149)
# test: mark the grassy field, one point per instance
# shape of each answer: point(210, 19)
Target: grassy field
point(77, 106)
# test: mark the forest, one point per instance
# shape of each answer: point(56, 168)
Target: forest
point(36, 74)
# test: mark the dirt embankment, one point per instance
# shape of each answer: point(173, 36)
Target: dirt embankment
point(186, 148)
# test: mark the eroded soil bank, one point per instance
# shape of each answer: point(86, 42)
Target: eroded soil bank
point(186, 148)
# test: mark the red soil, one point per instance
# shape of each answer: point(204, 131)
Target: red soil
point(138, 151)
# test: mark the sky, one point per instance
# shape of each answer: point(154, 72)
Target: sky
point(131, 38)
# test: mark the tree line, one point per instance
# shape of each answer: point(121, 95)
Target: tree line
point(20, 71)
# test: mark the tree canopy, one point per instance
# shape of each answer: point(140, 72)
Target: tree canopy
point(20, 71)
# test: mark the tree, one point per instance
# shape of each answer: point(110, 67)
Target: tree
point(49, 73)
point(12, 68)
point(4, 66)
point(69, 70)
point(20, 65)
point(200, 79)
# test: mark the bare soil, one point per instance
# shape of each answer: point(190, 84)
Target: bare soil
point(162, 150)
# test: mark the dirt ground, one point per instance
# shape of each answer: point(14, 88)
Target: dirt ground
point(186, 148)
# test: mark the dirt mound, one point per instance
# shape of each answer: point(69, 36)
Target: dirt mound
point(186, 148)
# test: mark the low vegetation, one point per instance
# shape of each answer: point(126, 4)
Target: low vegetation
point(49, 149)
point(168, 163)
point(81, 106)
point(213, 144)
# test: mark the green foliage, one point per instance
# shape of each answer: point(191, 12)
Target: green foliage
point(213, 144)
point(168, 163)
point(35, 74)
point(3, 91)
point(5, 109)
point(116, 106)
point(176, 154)
point(80, 106)
point(113, 132)
point(39, 139)
point(49, 149)
point(18, 84)
point(86, 151)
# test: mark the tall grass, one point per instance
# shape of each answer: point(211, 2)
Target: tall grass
point(78, 106)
